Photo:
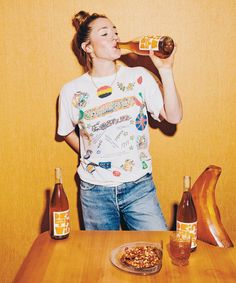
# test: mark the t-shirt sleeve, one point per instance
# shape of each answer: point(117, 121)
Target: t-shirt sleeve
point(153, 95)
point(67, 113)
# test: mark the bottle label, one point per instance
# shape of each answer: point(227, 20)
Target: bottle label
point(191, 228)
point(149, 43)
point(61, 220)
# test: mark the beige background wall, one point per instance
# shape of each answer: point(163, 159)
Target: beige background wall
point(36, 60)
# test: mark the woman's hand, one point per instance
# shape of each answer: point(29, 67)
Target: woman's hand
point(163, 63)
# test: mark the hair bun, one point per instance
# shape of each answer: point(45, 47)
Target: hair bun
point(79, 19)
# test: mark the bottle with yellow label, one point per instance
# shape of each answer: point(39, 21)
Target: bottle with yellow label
point(59, 210)
point(161, 45)
point(186, 213)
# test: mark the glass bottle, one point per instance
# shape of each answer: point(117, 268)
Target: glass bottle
point(186, 213)
point(59, 210)
point(161, 45)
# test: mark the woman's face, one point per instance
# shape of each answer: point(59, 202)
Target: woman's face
point(103, 40)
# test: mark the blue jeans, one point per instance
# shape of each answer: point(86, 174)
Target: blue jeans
point(134, 202)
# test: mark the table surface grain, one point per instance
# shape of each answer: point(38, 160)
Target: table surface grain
point(84, 257)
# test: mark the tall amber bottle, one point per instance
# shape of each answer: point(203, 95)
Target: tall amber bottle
point(161, 45)
point(186, 213)
point(59, 210)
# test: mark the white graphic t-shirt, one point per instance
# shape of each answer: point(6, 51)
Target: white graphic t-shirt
point(111, 113)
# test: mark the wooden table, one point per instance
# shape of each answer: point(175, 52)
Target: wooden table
point(84, 257)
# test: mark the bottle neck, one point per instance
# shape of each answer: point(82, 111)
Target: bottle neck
point(58, 177)
point(123, 44)
point(186, 183)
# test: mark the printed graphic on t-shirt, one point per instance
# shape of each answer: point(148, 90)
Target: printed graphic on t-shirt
point(111, 107)
point(128, 87)
point(128, 165)
point(99, 133)
point(141, 142)
point(113, 130)
point(141, 121)
point(104, 91)
point(80, 99)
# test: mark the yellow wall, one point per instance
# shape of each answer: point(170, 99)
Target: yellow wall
point(36, 60)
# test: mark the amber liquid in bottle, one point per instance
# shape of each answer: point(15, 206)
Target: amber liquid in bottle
point(161, 45)
point(186, 213)
point(59, 210)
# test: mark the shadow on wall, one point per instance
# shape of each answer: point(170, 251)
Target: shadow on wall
point(174, 218)
point(56, 136)
point(45, 225)
point(79, 206)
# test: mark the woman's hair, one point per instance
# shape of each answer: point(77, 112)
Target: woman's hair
point(82, 23)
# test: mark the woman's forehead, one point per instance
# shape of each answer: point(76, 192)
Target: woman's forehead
point(102, 23)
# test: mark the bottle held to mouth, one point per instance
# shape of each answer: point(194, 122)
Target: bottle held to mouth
point(162, 46)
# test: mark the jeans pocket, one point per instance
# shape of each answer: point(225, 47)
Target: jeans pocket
point(146, 177)
point(86, 186)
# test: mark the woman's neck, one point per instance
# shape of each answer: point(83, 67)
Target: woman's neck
point(102, 69)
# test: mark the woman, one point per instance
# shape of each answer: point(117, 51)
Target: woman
point(109, 103)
